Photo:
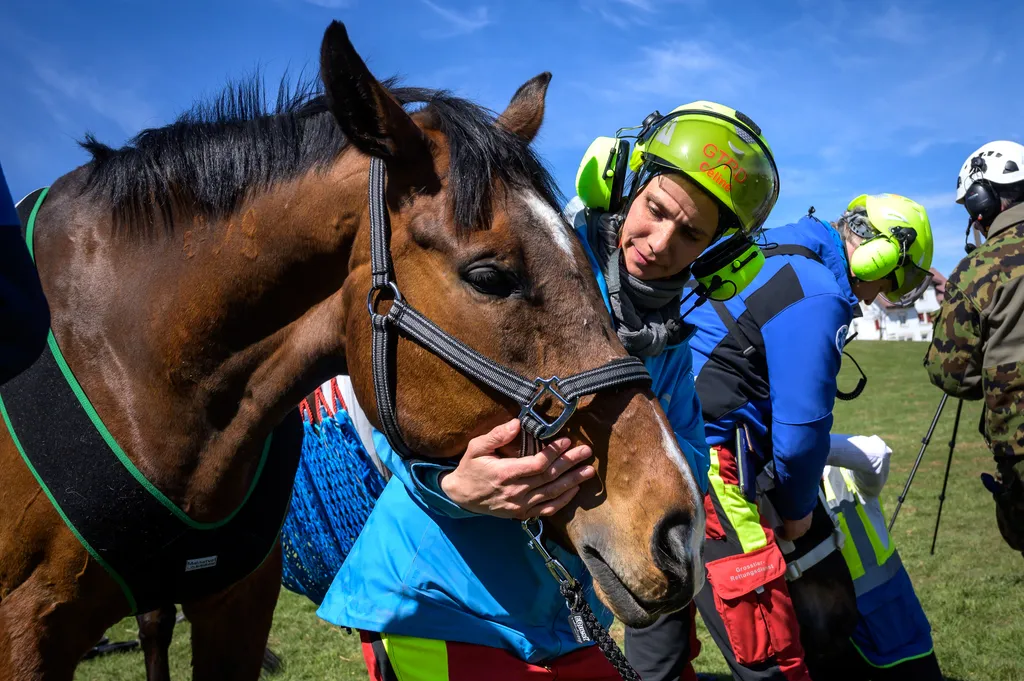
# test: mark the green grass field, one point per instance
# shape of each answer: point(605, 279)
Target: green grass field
point(972, 589)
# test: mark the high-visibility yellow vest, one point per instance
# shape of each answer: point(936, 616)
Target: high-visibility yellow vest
point(868, 549)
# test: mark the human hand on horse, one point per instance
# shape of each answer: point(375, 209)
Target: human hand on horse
point(493, 480)
point(792, 530)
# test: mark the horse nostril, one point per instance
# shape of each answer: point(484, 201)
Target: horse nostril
point(673, 552)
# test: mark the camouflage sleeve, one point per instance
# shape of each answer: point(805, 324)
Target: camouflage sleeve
point(953, 360)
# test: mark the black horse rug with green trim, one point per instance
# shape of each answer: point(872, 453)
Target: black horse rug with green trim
point(148, 545)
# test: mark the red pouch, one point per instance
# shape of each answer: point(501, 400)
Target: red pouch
point(753, 601)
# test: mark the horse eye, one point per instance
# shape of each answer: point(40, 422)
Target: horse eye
point(492, 281)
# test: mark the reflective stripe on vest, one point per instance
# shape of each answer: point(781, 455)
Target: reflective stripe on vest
point(733, 509)
point(871, 559)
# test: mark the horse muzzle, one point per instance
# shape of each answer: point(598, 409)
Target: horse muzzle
point(639, 593)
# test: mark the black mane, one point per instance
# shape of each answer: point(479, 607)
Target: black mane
point(219, 152)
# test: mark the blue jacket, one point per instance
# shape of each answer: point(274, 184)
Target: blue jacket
point(425, 567)
point(24, 314)
point(796, 314)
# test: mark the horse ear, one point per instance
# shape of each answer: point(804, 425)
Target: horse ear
point(369, 116)
point(525, 112)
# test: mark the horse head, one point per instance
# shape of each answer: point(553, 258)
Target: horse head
point(480, 248)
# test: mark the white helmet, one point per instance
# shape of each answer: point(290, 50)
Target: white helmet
point(998, 162)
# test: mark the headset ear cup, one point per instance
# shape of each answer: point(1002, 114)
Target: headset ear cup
point(982, 202)
point(875, 258)
point(728, 269)
point(619, 175)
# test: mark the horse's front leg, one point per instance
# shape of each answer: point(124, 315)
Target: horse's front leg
point(50, 620)
point(230, 629)
point(155, 631)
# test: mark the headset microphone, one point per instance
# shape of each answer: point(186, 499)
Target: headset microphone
point(969, 247)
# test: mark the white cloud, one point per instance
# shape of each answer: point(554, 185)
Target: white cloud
point(925, 144)
point(801, 182)
point(616, 20)
point(686, 66)
point(330, 4)
point(628, 14)
point(898, 26)
point(447, 77)
point(458, 23)
point(939, 202)
point(868, 117)
point(63, 86)
point(645, 5)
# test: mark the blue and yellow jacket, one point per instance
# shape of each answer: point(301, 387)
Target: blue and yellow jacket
point(425, 567)
point(795, 314)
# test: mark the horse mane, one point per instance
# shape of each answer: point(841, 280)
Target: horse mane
point(226, 149)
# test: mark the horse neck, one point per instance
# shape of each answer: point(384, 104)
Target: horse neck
point(230, 323)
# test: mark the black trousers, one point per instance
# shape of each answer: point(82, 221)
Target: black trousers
point(662, 651)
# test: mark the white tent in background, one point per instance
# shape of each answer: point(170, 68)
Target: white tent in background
point(883, 320)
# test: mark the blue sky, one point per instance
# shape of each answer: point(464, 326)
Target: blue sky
point(854, 97)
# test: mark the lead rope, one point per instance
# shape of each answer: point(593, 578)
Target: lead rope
point(582, 621)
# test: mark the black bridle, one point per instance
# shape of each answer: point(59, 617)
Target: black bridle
point(404, 318)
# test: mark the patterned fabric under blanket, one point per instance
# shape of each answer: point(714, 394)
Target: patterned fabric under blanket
point(335, 489)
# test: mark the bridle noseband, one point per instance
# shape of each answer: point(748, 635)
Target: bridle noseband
point(404, 318)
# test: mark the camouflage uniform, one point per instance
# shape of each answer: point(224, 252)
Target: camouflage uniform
point(977, 352)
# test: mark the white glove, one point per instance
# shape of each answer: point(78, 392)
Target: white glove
point(867, 457)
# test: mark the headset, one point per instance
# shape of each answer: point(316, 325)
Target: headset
point(882, 254)
point(981, 201)
point(727, 267)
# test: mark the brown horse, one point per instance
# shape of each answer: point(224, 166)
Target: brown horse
point(824, 598)
point(206, 277)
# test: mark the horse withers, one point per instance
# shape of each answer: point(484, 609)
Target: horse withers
point(207, 276)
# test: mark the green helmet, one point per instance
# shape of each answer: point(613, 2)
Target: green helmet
point(898, 244)
point(720, 149)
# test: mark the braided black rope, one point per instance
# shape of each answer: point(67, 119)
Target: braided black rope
point(578, 605)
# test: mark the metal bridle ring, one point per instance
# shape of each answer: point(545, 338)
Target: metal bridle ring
point(548, 386)
point(371, 303)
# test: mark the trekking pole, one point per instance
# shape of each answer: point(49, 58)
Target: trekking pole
point(920, 455)
point(945, 479)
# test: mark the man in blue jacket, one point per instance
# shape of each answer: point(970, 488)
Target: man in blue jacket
point(766, 364)
point(441, 583)
point(24, 314)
